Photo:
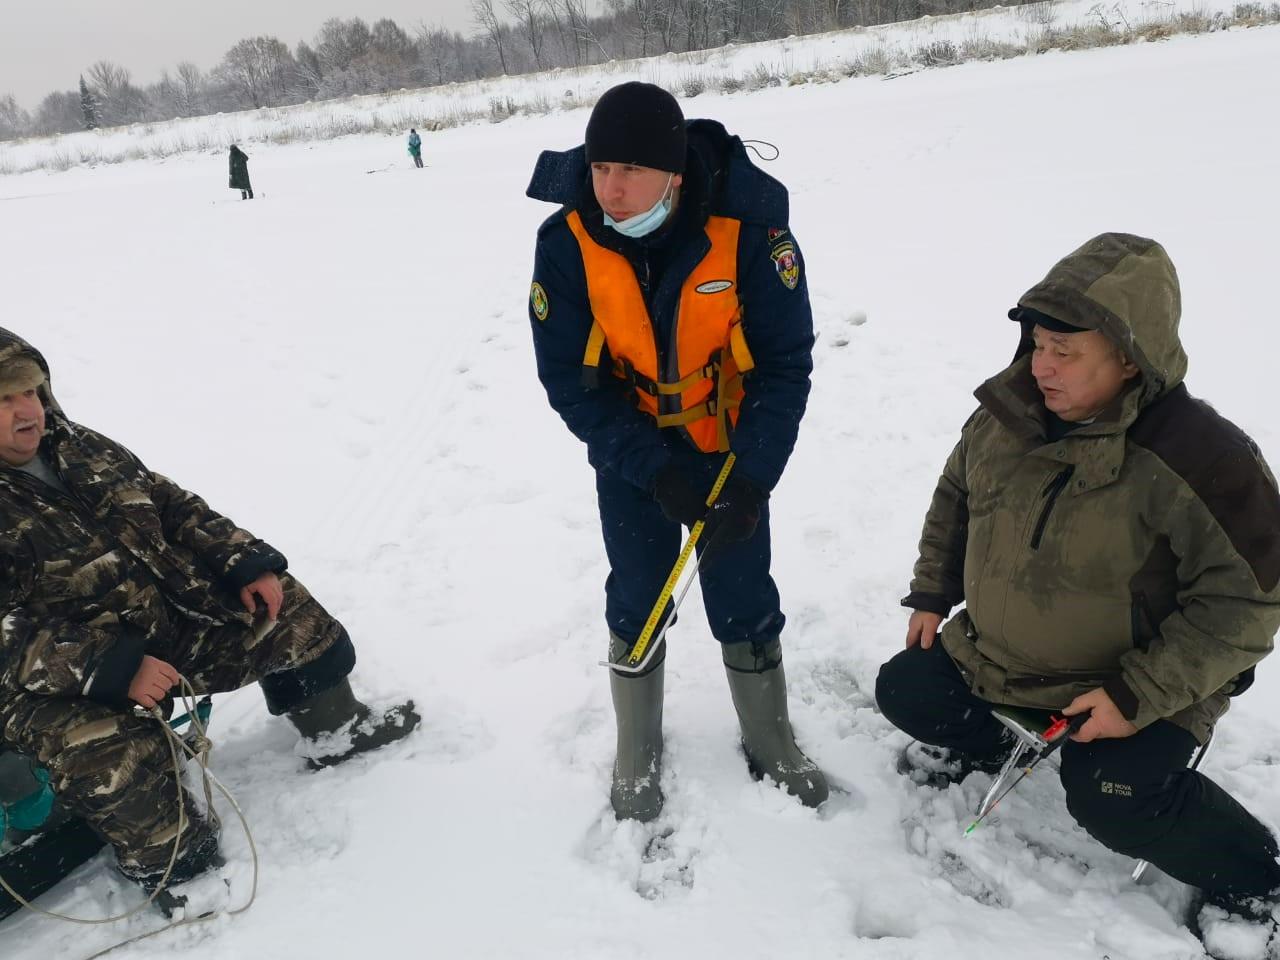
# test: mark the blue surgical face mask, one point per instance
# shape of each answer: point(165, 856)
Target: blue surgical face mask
point(643, 224)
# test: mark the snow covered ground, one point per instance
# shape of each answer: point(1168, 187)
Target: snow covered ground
point(344, 367)
point(790, 60)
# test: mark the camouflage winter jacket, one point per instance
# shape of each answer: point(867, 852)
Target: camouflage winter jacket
point(92, 579)
point(1140, 553)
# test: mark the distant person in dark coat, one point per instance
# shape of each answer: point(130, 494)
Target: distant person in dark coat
point(415, 147)
point(240, 173)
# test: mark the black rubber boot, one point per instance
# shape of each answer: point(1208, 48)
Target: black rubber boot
point(1229, 927)
point(939, 767)
point(759, 689)
point(188, 890)
point(336, 726)
point(637, 706)
point(196, 888)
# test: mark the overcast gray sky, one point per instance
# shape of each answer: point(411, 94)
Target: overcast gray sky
point(46, 44)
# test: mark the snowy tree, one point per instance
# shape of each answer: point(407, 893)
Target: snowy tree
point(259, 68)
point(189, 90)
point(485, 17)
point(340, 43)
point(118, 100)
point(308, 73)
point(529, 15)
point(392, 58)
point(59, 112)
point(14, 121)
point(641, 18)
point(570, 20)
point(389, 40)
point(88, 107)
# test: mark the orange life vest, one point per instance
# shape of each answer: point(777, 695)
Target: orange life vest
point(700, 390)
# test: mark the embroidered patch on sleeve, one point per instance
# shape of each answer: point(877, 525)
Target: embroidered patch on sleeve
point(787, 265)
point(776, 234)
point(538, 301)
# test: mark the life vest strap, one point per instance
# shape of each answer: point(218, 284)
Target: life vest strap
point(738, 347)
point(591, 357)
point(658, 388)
point(696, 412)
point(711, 407)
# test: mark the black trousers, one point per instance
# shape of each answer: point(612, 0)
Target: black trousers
point(1134, 795)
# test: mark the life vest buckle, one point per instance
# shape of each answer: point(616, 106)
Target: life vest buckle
point(637, 381)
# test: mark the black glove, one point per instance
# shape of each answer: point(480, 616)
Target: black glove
point(677, 497)
point(736, 511)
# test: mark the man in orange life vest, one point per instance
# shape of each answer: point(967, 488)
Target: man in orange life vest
point(671, 324)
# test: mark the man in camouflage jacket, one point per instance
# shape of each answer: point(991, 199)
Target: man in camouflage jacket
point(113, 582)
point(1116, 544)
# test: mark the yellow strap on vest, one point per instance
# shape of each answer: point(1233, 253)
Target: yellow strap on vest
point(686, 416)
point(595, 344)
point(738, 345)
point(680, 386)
point(693, 414)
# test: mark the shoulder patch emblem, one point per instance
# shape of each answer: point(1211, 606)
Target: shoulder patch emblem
point(714, 286)
point(538, 302)
point(788, 267)
point(777, 233)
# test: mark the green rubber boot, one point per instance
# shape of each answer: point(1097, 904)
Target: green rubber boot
point(637, 706)
point(759, 690)
point(335, 726)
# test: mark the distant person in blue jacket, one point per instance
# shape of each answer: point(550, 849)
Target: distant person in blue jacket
point(415, 147)
point(671, 326)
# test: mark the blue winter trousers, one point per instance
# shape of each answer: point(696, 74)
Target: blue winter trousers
point(740, 596)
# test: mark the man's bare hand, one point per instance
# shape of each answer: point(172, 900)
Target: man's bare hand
point(922, 628)
point(269, 589)
point(1105, 722)
point(152, 682)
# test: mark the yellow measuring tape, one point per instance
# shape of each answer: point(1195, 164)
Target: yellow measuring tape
point(646, 636)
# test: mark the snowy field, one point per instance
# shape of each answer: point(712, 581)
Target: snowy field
point(344, 367)
point(785, 61)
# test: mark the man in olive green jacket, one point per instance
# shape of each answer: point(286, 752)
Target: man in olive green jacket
point(1116, 545)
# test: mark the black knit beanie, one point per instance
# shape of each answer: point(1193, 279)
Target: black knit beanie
point(637, 123)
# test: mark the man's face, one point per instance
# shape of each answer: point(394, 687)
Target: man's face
point(625, 189)
point(1078, 373)
point(21, 426)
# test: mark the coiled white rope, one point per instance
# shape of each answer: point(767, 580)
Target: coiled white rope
point(199, 751)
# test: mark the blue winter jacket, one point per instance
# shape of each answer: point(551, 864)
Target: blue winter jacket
point(720, 180)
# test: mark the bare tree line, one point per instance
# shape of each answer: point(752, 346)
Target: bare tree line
point(349, 57)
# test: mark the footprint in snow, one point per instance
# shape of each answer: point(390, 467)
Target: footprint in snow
point(654, 859)
point(967, 883)
point(449, 733)
point(836, 679)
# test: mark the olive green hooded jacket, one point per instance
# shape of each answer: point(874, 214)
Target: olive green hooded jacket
point(1140, 553)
